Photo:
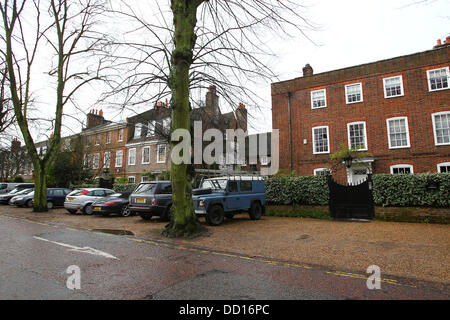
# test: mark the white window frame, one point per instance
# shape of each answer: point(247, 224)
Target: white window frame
point(120, 135)
point(97, 139)
point(133, 178)
point(142, 160)
point(108, 137)
point(442, 164)
point(314, 141)
point(96, 161)
point(119, 164)
point(429, 82)
point(145, 179)
point(131, 150)
point(401, 87)
point(346, 91)
point(434, 127)
point(389, 133)
point(317, 170)
point(151, 128)
point(137, 130)
point(365, 135)
point(395, 166)
point(157, 153)
point(107, 164)
point(324, 97)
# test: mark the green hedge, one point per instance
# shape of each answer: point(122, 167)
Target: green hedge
point(125, 187)
point(389, 190)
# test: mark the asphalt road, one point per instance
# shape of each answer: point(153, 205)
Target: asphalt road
point(35, 257)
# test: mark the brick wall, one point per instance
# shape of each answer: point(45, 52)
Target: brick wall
point(417, 104)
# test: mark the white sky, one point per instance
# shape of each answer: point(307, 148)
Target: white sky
point(349, 32)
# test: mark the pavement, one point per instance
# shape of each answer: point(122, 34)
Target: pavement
point(412, 252)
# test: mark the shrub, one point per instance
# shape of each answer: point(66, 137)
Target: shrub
point(388, 190)
point(125, 187)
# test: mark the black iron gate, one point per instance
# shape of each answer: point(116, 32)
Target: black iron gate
point(351, 201)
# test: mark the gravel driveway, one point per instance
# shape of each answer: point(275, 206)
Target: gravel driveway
point(413, 250)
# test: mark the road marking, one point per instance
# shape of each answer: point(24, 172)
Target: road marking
point(81, 249)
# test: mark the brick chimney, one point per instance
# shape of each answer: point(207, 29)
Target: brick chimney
point(241, 117)
point(212, 100)
point(15, 145)
point(94, 118)
point(307, 70)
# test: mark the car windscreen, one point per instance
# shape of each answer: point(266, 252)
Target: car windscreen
point(26, 191)
point(218, 184)
point(146, 188)
point(15, 190)
point(3, 186)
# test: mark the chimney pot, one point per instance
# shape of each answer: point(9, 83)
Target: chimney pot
point(447, 39)
point(439, 42)
point(307, 70)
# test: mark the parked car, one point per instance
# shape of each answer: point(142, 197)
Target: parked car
point(152, 198)
point(6, 187)
point(4, 198)
point(56, 197)
point(22, 198)
point(225, 196)
point(115, 203)
point(82, 199)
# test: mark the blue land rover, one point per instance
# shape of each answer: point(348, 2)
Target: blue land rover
point(225, 196)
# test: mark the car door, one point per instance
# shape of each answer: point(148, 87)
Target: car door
point(98, 194)
point(58, 197)
point(232, 197)
point(246, 194)
point(165, 194)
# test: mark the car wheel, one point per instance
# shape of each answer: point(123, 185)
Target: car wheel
point(167, 215)
point(50, 205)
point(215, 215)
point(29, 204)
point(125, 212)
point(256, 211)
point(88, 210)
point(71, 211)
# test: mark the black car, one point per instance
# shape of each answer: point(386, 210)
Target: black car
point(152, 199)
point(115, 203)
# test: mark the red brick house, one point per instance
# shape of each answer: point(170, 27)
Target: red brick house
point(397, 110)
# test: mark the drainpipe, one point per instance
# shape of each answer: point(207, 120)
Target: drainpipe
point(290, 131)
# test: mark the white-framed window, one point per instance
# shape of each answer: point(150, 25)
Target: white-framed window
point(321, 171)
point(357, 135)
point(137, 130)
point(441, 128)
point(145, 155)
point(86, 161)
point(443, 167)
point(398, 132)
point(393, 87)
point(108, 137)
point(151, 128)
point(145, 179)
point(353, 93)
point(438, 79)
point(131, 179)
point(319, 99)
point(321, 140)
point(161, 154)
point(132, 156)
point(97, 139)
point(119, 158)
point(106, 159)
point(402, 169)
point(264, 160)
point(120, 135)
point(166, 124)
point(96, 161)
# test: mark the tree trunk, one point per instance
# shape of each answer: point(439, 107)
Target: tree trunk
point(40, 188)
point(184, 222)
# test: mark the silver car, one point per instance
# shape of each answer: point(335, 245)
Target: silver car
point(23, 198)
point(82, 199)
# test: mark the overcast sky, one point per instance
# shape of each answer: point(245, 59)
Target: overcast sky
point(354, 32)
point(348, 33)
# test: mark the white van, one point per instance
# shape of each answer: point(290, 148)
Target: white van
point(6, 187)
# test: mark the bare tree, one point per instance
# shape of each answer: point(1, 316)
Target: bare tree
point(30, 28)
point(7, 116)
point(193, 44)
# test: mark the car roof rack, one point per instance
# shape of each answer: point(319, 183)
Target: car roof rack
point(228, 174)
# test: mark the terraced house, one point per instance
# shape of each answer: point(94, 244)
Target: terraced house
point(396, 109)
